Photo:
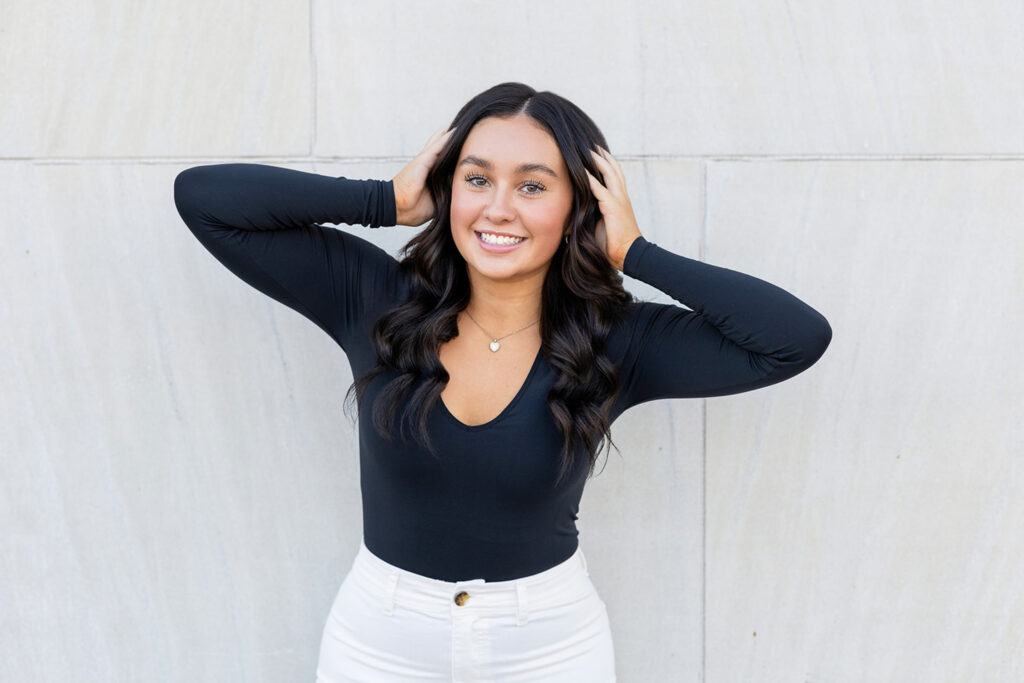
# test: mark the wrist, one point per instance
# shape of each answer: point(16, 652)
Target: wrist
point(620, 262)
point(399, 213)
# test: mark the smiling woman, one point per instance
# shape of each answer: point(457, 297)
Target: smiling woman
point(504, 342)
point(518, 246)
point(499, 205)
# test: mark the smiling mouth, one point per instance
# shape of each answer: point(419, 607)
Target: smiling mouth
point(500, 240)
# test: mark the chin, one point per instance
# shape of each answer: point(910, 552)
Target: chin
point(492, 271)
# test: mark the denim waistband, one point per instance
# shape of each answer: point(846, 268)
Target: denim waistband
point(564, 583)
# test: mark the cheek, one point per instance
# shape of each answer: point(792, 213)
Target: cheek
point(548, 222)
point(461, 209)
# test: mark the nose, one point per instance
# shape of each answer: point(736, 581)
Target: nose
point(499, 209)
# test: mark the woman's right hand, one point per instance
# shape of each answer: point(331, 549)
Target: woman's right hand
point(413, 203)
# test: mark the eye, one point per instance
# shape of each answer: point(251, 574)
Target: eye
point(534, 183)
point(538, 187)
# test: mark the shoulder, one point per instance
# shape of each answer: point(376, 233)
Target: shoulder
point(624, 330)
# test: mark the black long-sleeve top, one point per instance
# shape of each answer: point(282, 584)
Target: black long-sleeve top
point(487, 507)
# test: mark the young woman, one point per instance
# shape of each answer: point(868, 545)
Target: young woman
point(490, 362)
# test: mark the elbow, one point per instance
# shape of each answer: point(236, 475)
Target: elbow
point(196, 190)
point(184, 193)
point(804, 350)
point(817, 341)
point(187, 187)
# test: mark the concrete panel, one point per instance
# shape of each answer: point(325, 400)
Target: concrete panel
point(179, 482)
point(641, 526)
point(727, 77)
point(863, 519)
point(134, 79)
point(379, 95)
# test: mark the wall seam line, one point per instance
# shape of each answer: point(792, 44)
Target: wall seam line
point(312, 85)
point(704, 447)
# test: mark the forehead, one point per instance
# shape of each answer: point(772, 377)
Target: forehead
point(509, 142)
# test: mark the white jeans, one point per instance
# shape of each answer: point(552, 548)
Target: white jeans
point(388, 624)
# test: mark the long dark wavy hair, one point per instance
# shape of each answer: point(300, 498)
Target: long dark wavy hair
point(582, 295)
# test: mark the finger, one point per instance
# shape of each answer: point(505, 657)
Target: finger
point(440, 134)
point(601, 163)
point(614, 163)
point(436, 142)
point(429, 144)
point(611, 175)
point(445, 137)
point(595, 185)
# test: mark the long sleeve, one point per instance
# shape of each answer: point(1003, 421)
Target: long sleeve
point(742, 334)
point(259, 221)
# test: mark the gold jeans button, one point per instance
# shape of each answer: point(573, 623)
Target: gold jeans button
point(461, 597)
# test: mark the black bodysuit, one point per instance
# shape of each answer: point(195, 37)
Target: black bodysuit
point(486, 507)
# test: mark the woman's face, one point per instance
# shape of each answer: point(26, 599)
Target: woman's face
point(510, 179)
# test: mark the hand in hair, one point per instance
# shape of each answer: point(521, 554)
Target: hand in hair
point(617, 227)
point(413, 204)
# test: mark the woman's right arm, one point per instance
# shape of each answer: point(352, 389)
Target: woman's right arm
point(260, 221)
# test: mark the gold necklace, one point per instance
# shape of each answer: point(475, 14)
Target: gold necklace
point(494, 345)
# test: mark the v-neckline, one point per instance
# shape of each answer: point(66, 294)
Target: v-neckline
point(507, 408)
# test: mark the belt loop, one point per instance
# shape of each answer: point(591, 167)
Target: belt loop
point(389, 594)
point(522, 604)
point(583, 561)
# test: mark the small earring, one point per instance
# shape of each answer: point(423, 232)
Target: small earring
point(567, 238)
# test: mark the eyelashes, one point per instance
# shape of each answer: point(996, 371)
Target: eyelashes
point(470, 177)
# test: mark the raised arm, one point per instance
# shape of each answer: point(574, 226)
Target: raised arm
point(260, 221)
point(743, 333)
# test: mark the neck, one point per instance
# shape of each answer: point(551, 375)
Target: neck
point(505, 306)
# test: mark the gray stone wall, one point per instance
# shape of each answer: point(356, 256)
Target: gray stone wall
point(179, 490)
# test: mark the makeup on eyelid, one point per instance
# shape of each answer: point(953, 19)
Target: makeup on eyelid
point(473, 176)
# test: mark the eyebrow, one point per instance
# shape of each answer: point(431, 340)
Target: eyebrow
point(522, 168)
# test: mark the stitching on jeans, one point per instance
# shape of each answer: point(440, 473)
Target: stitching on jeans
point(522, 606)
point(389, 596)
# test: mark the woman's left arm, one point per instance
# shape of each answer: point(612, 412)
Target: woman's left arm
point(743, 333)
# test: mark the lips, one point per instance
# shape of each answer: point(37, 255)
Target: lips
point(497, 248)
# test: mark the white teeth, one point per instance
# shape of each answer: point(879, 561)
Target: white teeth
point(499, 239)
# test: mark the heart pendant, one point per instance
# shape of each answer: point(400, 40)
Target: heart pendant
point(495, 346)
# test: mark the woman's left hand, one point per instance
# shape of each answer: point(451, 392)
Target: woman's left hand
point(617, 227)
